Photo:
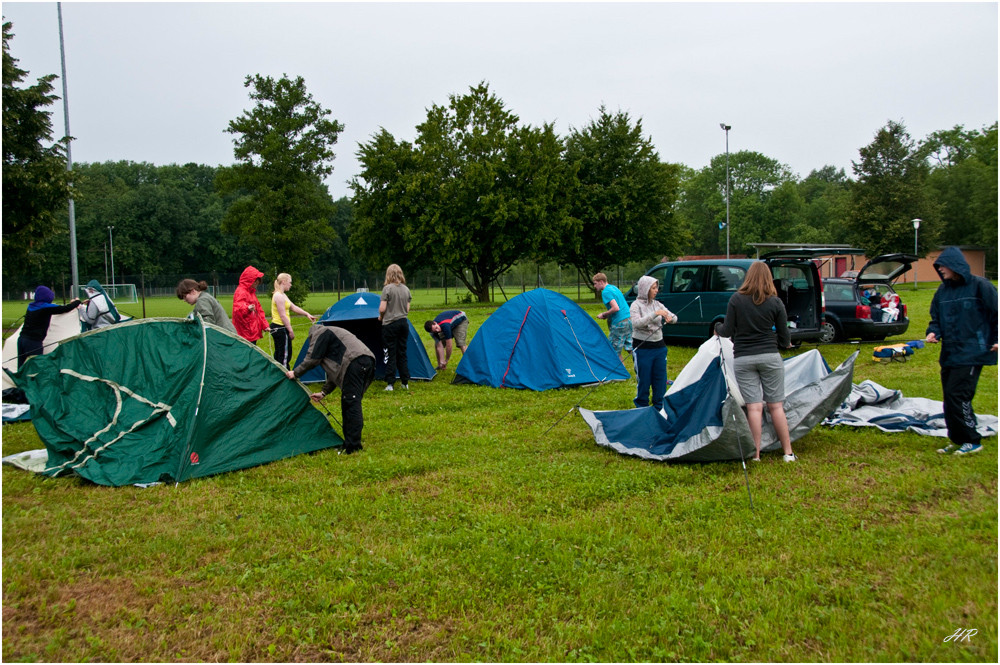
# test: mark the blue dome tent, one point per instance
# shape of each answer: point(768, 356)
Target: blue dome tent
point(358, 314)
point(537, 341)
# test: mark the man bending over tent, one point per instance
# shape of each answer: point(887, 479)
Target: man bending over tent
point(448, 326)
point(350, 366)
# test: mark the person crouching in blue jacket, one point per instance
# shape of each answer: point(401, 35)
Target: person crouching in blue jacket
point(964, 320)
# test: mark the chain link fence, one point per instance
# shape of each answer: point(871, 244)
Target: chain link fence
point(520, 278)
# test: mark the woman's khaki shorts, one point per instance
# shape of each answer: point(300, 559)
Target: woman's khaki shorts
point(761, 378)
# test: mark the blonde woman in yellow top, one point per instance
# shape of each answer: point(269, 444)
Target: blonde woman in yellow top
point(281, 323)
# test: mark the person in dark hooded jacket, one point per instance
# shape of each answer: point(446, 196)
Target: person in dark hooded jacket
point(36, 323)
point(964, 321)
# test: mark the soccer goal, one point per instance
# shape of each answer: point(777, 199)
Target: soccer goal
point(120, 293)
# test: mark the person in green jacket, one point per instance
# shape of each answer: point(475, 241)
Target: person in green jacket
point(196, 293)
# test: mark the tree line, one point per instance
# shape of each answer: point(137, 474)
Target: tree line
point(473, 194)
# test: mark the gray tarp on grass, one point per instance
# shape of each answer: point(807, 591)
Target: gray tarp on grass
point(702, 420)
point(872, 405)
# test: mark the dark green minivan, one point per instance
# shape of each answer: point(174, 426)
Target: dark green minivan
point(699, 291)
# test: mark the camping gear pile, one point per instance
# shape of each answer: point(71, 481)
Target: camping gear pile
point(888, 353)
point(872, 405)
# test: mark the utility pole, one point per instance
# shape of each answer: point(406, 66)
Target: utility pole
point(74, 269)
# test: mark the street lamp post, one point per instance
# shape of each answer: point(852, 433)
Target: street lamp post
point(111, 240)
point(726, 129)
point(916, 227)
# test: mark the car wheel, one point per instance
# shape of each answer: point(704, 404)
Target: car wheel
point(827, 332)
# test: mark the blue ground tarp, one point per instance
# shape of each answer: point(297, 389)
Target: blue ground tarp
point(358, 314)
point(539, 340)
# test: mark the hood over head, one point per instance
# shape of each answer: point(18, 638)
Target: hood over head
point(44, 294)
point(953, 259)
point(249, 276)
point(642, 290)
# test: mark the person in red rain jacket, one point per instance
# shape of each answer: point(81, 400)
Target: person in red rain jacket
point(248, 316)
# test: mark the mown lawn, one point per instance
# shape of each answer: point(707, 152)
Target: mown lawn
point(464, 533)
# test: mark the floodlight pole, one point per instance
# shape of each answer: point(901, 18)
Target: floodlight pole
point(74, 269)
point(916, 227)
point(726, 128)
point(112, 241)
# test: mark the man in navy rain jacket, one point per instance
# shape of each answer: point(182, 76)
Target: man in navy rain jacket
point(964, 320)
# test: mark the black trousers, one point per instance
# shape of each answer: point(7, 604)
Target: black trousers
point(282, 344)
point(394, 337)
point(27, 347)
point(359, 375)
point(959, 385)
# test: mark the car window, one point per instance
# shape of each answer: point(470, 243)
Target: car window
point(840, 292)
point(687, 279)
point(658, 274)
point(786, 277)
point(725, 278)
point(882, 269)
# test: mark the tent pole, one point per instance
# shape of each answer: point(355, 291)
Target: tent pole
point(197, 405)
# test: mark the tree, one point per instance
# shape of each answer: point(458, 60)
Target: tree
point(963, 181)
point(474, 193)
point(826, 195)
point(334, 261)
point(166, 219)
point(35, 180)
point(622, 196)
point(755, 213)
point(283, 148)
point(890, 192)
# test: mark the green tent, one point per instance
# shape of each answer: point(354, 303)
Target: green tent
point(166, 400)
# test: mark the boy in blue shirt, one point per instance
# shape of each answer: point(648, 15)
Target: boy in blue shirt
point(617, 314)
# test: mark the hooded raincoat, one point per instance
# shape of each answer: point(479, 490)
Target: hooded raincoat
point(100, 310)
point(248, 315)
point(964, 314)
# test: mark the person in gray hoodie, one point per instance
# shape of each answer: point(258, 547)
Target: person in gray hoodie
point(649, 351)
point(964, 321)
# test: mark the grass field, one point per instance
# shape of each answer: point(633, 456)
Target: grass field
point(464, 533)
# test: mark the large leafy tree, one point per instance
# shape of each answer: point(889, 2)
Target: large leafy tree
point(825, 193)
point(890, 192)
point(475, 193)
point(963, 180)
point(763, 207)
point(284, 149)
point(35, 181)
point(334, 261)
point(622, 196)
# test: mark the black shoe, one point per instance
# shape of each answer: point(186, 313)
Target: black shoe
point(351, 451)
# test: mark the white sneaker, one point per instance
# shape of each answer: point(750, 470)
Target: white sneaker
point(791, 458)
point(388, 388)
point(406, 386)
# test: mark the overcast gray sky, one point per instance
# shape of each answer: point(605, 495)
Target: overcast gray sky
point(807, 84)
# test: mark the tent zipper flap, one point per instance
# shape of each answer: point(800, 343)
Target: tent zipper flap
point(185, 458)
point(513, 348)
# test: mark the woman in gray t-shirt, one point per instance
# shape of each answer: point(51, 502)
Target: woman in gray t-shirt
point(757, 323)
point(392, 311)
